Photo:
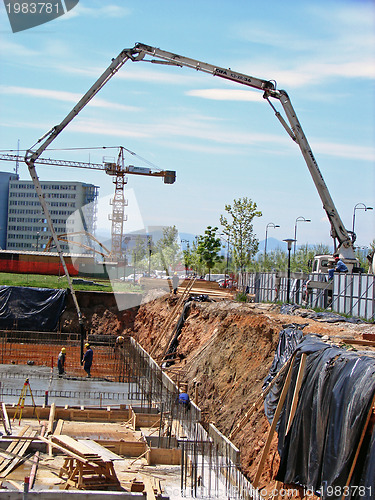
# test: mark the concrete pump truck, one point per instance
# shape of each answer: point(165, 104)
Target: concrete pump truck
point(343, 239)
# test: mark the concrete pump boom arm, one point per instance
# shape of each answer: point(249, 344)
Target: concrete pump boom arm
point(294, 128)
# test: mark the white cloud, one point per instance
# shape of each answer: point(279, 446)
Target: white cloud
point(226, 94)
point(343, 48)
point(16, 50)
point(60, 95)
point(95, 127)
point(107, 11)
point(337, 150)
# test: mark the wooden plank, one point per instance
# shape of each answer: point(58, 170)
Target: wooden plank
point(79, 448)
point(59, 426)
point(103, 452)
point(94, 414)
point(293, 407)
point(13, 445)
point(5, 418)
point(51, 419)
point(372, 409)
point(20, 452)
point(274, 423)
point(33, 471)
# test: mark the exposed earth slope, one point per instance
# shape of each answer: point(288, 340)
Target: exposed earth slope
point(224, 352)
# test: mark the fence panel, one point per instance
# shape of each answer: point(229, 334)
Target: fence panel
point(352, 294)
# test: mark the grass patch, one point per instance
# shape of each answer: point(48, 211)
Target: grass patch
point(46, 281)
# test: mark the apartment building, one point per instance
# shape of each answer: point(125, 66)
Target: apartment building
point(72, 206)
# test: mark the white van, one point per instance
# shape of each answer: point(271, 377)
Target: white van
point(214, 277)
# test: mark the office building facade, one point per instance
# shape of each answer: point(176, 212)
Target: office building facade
point(72, 207)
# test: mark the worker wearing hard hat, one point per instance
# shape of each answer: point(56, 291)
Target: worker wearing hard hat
point(175, 282)
point(87, 359)
point(340, 267)
point(61, 361)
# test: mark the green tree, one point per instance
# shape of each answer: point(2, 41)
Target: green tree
point(196, 258)
point(168, 249)
point(240, 230)
point(209, 247)
point(188, 258)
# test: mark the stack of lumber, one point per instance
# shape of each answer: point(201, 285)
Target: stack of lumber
point(210, 288)
point(15, 451)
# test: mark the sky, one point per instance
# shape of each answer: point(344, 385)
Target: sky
point(222, 138)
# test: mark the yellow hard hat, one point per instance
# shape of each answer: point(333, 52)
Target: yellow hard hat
point(87, 345)
point(63, 350)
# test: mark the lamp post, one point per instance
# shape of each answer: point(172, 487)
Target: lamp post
point(186, 255)
point(149, 254)
point(299, 219)
point(270, 224)
point(359, 206)
point(289, 241)
point(227, 241)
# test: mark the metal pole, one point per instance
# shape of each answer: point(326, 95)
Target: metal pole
point(288, 283)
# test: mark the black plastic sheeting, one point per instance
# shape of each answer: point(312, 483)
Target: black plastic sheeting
point(334, 401)
point(326, 316)
point(31, 309)
point(170, 355)
point(289, 337)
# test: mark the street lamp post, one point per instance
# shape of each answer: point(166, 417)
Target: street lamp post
point(299, 219)
point(359, 206)
point(227, 242)
point(270, 224)
point(289, 241)
point(149, 254)
point(186, 255)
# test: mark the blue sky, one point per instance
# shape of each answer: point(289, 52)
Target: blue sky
point(222, 139)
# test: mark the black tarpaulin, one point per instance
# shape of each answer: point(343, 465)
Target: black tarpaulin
point(289, 337)
point(180, 323)
point(30, 309)
point(334, 400)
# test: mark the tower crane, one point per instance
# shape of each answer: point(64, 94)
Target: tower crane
point(119, 171)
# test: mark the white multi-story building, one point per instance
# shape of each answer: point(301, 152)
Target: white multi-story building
point(72, 206)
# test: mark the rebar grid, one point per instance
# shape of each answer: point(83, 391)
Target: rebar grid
point(210, 464)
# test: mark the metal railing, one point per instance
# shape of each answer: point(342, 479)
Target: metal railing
point(351, 294)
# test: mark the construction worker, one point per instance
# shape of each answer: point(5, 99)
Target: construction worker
point(184, 400)
point(61, 361)
point(340, 267)
point(175, 282)
point(87, 359)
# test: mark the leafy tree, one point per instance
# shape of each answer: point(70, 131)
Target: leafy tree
point(188, 257)
point(240, 230)
point(196, 258)
point(301, 262)
point(209, 247)
point(168, 252)
point(305, 255)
